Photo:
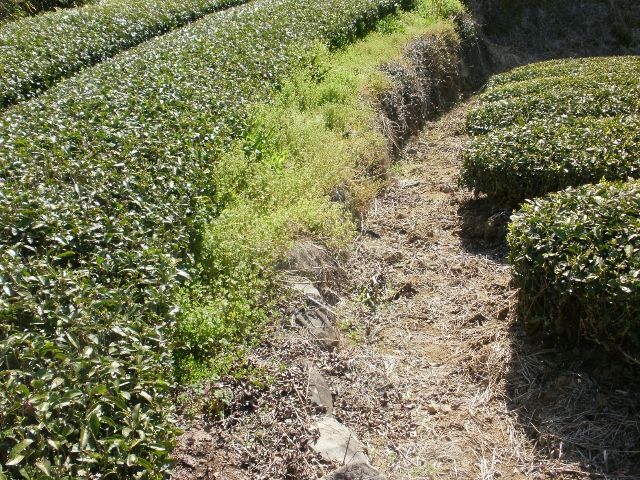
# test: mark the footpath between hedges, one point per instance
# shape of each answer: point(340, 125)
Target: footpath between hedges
point(433, 376)
point(460, 391)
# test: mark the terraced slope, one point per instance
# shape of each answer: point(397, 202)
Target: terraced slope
point(37, 52)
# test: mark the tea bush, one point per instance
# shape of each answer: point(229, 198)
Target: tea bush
point(576, 259)
point(626, 77)
point(102, 178)
point(561, 88)
point(521, 162)
point(38, 51)
point(600, 100)
point(572, 68)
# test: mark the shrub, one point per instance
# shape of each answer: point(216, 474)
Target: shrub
point(102, 179)
point(573, 67)
point(39, 51)
point(543, 156)
point(586, 82)
point(576, 259)
point(597, 100)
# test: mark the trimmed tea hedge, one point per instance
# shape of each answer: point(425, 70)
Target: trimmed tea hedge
point(575, 67)
point(102, 177)
point(549, 155)
point(589, 81)
point(576, 259)
point(39, 51)
point(597, 101)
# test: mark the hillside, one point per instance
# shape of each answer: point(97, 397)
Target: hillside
point(331, 239)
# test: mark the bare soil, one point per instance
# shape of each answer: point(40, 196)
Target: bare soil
point(434, 373)
point(433, 317)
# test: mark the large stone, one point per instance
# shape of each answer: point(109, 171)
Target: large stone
point(319, 324)
point(308, 289)
point(337, 443)
point(315, 263)
point(319, 391)
point(355, 471)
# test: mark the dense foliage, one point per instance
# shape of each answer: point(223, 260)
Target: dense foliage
point(576, 260)
point(576, 253)
point(600, 101)
point(574, 67)
point(101, 178)
point(38, 51)
point(513, 164)
point(626, 76)
point(570, 68)
point(590, 87)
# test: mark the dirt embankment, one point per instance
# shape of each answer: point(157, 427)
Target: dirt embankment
point(522, 31)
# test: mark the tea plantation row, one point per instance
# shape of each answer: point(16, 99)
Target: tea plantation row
point(559, 102)
point(576, 258)
point(107, 178)
point(513, 164)
point(38, 51)
point(576, 253)
point(566, 69)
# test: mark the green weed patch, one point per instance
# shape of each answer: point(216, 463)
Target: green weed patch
point(319, 135)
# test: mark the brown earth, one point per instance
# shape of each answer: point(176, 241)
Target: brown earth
point(434, 374)
point(433, 318)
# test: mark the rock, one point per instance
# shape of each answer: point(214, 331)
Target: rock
point(314, 263)
point(480, 221)
point(393, 257)
point(319, 391)
point(408, 183)
point(319, 324)
point(497, 226)
point(308, 289)
point(432, 408)
point(337, 443)
point(355, 471)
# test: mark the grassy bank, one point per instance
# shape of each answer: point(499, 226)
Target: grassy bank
point(320, 135)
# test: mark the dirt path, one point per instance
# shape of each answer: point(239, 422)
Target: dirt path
point(442, 383)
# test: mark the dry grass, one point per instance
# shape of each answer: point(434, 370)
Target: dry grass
point(445, 384)
point(434, 375)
